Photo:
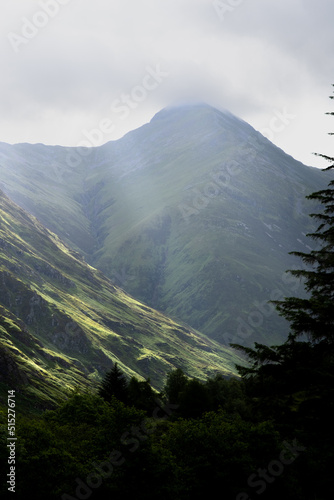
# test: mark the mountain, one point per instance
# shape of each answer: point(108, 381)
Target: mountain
point(194, 214)
point(63, 323)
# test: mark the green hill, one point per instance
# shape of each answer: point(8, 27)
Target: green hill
point(63, 323)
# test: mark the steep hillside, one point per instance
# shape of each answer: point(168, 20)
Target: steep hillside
point(63, 323)
point(193, 214)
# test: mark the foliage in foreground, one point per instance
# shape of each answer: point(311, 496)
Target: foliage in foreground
point(209, 436)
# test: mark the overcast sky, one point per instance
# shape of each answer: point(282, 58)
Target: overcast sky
point(83, 71)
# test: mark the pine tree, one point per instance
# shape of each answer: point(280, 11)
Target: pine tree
point(115, 385)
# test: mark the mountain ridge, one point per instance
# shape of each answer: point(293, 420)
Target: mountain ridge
point(193, 213)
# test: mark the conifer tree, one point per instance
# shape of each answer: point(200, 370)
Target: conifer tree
point(114, 384)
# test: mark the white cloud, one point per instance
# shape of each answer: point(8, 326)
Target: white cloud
point(263, 56)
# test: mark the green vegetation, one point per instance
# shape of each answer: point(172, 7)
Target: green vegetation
point(89, 445)
point(63, 324)
point(212, 436)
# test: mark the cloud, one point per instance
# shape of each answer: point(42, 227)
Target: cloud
point(262, 56)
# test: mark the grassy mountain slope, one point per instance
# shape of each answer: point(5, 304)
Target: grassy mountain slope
point(62, 322)
point(193, 214)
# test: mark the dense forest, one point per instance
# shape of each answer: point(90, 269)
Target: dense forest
point(268, 433)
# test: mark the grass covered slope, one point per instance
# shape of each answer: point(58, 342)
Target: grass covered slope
point(40, 376)
point(63, 322)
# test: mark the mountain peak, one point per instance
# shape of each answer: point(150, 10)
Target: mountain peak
point(199, 121)
point(188, 107)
